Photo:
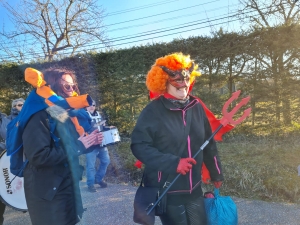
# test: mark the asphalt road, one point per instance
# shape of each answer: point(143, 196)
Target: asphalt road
point(114, 206)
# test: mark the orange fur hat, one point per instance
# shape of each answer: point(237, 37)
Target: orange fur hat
point(157, 78)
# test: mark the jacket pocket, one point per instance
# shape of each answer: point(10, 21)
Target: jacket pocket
point(47, 184)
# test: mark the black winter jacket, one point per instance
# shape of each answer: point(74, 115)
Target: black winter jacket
point(158, 134)
point(51, 178)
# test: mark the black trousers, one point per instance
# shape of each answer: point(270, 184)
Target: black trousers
point(2, 210)
point(192, 213)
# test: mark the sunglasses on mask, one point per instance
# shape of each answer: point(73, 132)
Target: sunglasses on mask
point(19, 105)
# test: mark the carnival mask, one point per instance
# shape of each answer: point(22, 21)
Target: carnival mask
point(179, 78)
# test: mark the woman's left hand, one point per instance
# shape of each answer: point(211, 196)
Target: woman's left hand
point(217, 184)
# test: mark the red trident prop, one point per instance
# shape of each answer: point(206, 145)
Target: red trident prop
point(227, 118)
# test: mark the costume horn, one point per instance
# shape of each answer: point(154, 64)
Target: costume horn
point(168, 71)
point(192, 67)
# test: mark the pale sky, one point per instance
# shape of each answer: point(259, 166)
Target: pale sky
point(133, 23)
point(167, 19)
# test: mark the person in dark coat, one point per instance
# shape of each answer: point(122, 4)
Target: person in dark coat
point(3, 123)
point(2, 148)
point(159, 140)
point(51, 177)
point(16, 108)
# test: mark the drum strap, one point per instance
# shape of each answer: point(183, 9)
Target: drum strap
point(21, 170)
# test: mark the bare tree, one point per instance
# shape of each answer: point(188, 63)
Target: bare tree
point(55, 27)
point(269, 13)
point(275, 32)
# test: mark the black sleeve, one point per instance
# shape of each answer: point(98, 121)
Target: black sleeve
point(143, 147)
point(37, 143)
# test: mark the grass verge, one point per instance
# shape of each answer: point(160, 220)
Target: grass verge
point(256, 168)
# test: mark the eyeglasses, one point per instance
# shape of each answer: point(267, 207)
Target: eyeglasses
point(19, 105)
point(68, 87)
point(94, 105)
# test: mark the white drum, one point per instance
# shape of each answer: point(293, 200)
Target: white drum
point(111, 136)
point(12, 194)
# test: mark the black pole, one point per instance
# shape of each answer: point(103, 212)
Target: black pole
point(176, 178)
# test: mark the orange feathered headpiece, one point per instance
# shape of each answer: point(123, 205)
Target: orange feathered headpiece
point(157, 78)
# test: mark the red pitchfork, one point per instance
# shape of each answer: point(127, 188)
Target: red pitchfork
point(227, 118)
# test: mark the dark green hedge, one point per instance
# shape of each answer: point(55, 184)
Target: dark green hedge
point(116, 79)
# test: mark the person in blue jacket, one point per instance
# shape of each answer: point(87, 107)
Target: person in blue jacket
point(89, 119)
point(101, 152)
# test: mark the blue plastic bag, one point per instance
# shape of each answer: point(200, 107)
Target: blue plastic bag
point(220, 210)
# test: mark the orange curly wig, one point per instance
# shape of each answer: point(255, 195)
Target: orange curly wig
point(156, 80)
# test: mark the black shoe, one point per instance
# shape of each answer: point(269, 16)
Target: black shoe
point(101, 183)
point(92, 188)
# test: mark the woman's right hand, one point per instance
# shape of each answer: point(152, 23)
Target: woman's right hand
point(185, 164)
point(99, 137)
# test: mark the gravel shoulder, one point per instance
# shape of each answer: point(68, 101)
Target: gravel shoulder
point(114, 206)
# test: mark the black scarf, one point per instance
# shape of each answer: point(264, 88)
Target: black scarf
point(180, 103)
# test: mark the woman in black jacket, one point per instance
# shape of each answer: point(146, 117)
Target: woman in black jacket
point(51, 177)
point(169, 131)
